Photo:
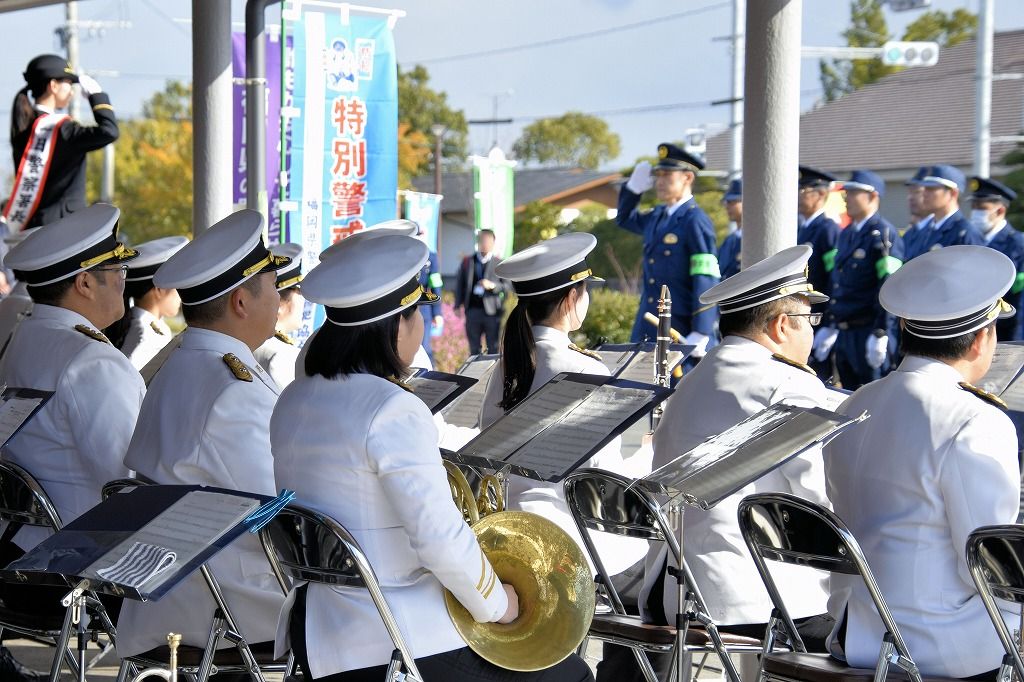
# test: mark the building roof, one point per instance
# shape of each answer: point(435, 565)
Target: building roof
point(919, 116)
point(530, 184)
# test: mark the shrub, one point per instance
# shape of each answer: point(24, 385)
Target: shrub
point(609, 320)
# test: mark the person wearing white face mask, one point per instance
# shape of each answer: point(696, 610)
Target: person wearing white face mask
point(990, 201)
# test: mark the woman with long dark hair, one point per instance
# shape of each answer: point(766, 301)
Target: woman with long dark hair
point(49, 148)
point(353, 443)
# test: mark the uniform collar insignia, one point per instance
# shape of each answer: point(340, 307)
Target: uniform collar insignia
point(792, 363)
point(588, 353)
point(237, 367)
point(990, 398)
point(156, 328)
point(91, 333)
point(401, 384)
point(281, 336)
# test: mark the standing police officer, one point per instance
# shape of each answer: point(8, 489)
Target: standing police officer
point(916, 233)
point(729, 251)
point(679, 245)
point(989, 203)
point(821, 233)
point(943, 186)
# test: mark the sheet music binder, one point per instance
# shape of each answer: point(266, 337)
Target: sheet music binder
point(1004, 377)
point(560, 425)
point(465, 409)
point(196, 522)
point(635, 361)
point(743, 453)
point(17, 407)
point(438, 389)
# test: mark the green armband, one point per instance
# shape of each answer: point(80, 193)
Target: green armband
point(829, 259)
point(1018, 284)
point(886, 265)
point(435, 281)
point(704, 264)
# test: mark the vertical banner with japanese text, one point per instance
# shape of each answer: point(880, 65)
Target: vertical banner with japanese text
point(494, 198)
point(424, 210)
point(343, 157)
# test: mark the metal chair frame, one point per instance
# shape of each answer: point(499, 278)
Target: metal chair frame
point(653, 526)
point(983, 562)
point(830, 547)
point(300, 560)
point(223, 627)
point(24, 502)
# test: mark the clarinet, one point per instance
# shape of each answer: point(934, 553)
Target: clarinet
point(661, 371)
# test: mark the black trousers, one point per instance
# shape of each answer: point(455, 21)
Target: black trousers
point(461, 665)
point(479, 323)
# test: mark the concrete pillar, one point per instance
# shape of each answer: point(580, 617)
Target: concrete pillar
point(983, 94)
point(739, 13)
point(211, 112)
point(771, 127)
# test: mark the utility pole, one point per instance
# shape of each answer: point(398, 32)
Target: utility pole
point(69, 36)
point(438, 130)
point(739, 16)
point(983, 93)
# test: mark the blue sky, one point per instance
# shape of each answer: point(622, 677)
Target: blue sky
point(665, 61)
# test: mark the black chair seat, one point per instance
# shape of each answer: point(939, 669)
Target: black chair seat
point(190, 656)
point(37, 621)
point(824, 668)
point(631, 627)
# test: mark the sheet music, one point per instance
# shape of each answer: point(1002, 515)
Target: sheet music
point(191, 524)
point(834, 398)
point(1006, 365)
point(13, 414)
point(478, 369)
point(431, 391)
point(559, 449)
point(1013, 396)
point(641, 368)
point(465, 410)
point(615, 360)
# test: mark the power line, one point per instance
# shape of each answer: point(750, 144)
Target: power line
point(578, 36)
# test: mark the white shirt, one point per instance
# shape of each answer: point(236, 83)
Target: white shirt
point(932, 464)
point(14, 307)
point(147, 336)
point(278, 356)
point(378, 473)
point(672, 208)
point(76, 442)
point(201, 425)
point(737, 379)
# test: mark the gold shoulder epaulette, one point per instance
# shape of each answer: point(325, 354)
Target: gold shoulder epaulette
point(156, 328)
point(792, 363)
point(281, 336)
point(990, 398)
point(91, 333)
point(588, 353)
point(237, 367)
point(401, 384)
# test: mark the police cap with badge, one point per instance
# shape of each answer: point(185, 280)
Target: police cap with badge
point(987, 189)
point(944, 175)
point(734, 192)
point(369, 280)
point(152, 255)
point(778, 276)
point(218, 260)
point(950, 309)
point(85, 239)
point(812, 177)
point(47, 67)
point(553, 264)
point(672, 157)
point(290, 275)
point(865, 181)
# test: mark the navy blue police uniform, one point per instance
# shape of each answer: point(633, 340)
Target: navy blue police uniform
point(729, 251)
point(1009, 242)
point(955, 229)
point(821, 233)
point(430, 278)
point(915, 237)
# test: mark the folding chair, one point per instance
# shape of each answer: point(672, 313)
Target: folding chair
point(599, 501)
point(23, 502)
point(995, 556)
point(787, 529)
point(200, 663)
point(305, 545)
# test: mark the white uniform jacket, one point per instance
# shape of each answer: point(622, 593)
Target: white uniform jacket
point(378, 473)
point(555, 355)
point(76, 442)
point(933, 463)
point(203, 425)
point(147, 336)
point(14, 307)
point(737, 379)
point(278, 356)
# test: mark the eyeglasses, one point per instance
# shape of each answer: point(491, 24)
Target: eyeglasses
point(813, 319)
point(121, 269)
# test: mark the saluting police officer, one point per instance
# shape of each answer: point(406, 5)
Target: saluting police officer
point(729, 251)
point(943, 187)
point(869, 251)
point(821, 233)
point(989, 202)
point(206, 421)
point(679, 245)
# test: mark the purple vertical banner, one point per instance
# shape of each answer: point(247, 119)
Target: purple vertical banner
point(238, 192)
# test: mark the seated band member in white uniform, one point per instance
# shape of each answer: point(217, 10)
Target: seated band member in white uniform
point(142, 332)
point(767, 332)
point(206, 421)
point(937, 459)
point(278, 354)
point(550, 279)
point(378, 472)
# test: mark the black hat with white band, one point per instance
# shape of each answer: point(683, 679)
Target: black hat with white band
point(775, 277)
point(152, 255)
point(550, 265)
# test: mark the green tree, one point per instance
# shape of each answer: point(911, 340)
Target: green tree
point(573, 139)
point(535, 223)
point(153, 163)
point(1015, 180)
point(421, 107)
point(945, 29)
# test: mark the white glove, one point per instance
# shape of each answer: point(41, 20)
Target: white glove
point(640, 181)
point(89, 85)
point(824, 339)
point(876, 347)
point(700, 341)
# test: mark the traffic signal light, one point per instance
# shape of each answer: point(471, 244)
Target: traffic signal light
point(898, 53)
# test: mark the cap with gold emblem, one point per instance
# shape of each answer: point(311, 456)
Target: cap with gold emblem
point(64, 248)
point(219, 259)
point(987, 189)
point(290, 275)
point(369, 280)
point(47, 67)
point(152, 255)
point(775, 277)
point(812, 177)
point(950, 308)
point(672, 157)
point(553, 264)
point(406, 228)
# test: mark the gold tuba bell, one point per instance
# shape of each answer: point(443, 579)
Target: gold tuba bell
point(546, 567)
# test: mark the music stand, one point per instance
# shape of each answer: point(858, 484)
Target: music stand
point(635, 361)
point(559, 426)
point(438, 389)
point(465, 410)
